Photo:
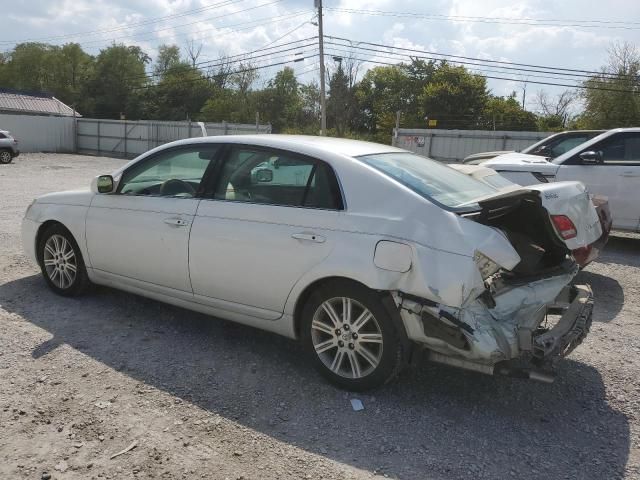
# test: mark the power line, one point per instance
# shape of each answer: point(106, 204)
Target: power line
point(224, 29)
point(244, 57)
point(515, 70)
point(501, 62)
point(583, 87)
point(127, 26)
point(153, 32)
point(496, 20)
point(210, 77)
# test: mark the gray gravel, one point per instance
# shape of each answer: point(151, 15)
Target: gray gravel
point(82, 379)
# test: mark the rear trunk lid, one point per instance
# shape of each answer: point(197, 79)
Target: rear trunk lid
point(572, 200)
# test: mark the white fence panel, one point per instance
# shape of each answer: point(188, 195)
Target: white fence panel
point(455, 145)
point(39, 133)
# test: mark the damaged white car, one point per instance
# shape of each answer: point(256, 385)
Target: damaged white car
point(366, 253)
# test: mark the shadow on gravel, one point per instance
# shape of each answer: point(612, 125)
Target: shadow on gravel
point(621, 250)
point(435, 422)
point(607, 292)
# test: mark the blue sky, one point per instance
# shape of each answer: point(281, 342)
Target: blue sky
point(556, 35)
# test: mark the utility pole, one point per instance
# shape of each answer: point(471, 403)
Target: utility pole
point(323, 99)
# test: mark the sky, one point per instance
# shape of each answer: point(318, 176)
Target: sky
point(572, 34)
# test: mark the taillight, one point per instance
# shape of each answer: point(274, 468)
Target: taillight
point(564, 226)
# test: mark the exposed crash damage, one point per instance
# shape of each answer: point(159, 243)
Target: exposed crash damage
point(526, 318)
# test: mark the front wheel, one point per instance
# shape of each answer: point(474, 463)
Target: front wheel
point(350, 336)
point(61, 262)
point(5, 156)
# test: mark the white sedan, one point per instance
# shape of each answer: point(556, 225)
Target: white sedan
point(366, 253)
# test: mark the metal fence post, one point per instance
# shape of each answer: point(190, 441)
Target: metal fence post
point(125, 138)
point(224, 127)
point(98, 135)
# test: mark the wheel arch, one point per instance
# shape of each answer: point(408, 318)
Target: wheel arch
point(386, 299)
point(44, 226)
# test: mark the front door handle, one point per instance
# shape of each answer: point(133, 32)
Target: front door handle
point(310, 237)
point(176, 222)
point(630, 174)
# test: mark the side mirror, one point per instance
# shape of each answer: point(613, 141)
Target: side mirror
point(104, 184)
point(591, 157)
point(264, 175)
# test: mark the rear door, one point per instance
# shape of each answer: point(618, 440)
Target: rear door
point(617, 177)
point(268, 220)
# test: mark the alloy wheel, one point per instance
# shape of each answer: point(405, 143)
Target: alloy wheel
point(347, 337)
point(5, 157)
point(60, 261)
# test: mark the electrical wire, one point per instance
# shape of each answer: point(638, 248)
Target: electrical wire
point(481, 60)
point(495, 20)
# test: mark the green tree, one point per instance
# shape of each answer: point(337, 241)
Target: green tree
point(506, 113)
point(606, 108)
point(280, 102)
point(117, 82)
point(454, 97)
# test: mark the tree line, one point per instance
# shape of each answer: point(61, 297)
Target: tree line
point(122, 80)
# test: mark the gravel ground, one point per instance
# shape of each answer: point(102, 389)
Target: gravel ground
point(82, 379)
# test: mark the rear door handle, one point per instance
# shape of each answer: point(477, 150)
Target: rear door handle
point(176, 222)
point(310, 237)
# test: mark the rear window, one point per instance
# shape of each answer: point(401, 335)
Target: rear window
point(433, 180)
point(2, 135)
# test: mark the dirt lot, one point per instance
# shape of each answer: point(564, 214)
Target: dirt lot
point(82, 379)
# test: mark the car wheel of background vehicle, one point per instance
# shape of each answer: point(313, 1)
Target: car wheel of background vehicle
point(61, 262)
point(5, 156)
point(351, 337)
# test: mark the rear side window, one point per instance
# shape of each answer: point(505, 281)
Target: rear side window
point(2, 135)
point(436, 182)
point(277, 178)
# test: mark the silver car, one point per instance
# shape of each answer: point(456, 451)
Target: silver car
point(8, 147)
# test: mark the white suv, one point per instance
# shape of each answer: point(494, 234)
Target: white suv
point(608, 165)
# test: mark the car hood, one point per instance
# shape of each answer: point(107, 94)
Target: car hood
point(72, 197)
point(521, 162)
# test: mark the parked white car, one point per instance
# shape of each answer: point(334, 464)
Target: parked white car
point(609, 165)
point(376, 255)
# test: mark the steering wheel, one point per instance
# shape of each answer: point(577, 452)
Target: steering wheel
point(175, 186)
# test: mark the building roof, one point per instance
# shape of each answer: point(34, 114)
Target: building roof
point(34, 103)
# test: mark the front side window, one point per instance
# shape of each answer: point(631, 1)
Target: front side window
point(174, 173)
point(277, 178)
point(618, 149)
point(621, 149)
point(433, 180)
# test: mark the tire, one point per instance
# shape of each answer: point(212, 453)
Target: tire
point(61, 262)
point(5, 157)
point(362, 353)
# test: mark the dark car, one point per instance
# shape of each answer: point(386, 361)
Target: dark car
point(549, 147)
point(8, 147)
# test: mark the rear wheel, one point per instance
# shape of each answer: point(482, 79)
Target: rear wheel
point(350, 336)
point(5, 156)
point(61, 262)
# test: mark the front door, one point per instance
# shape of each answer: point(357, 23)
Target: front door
point(141, 232)
point(270, 219)
point(616, 177)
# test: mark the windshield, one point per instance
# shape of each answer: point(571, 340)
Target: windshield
point(433, 180)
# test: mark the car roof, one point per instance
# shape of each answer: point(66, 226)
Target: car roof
point(342, 146)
